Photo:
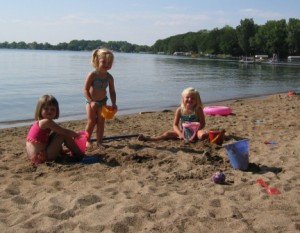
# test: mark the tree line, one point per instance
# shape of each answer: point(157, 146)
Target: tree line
point(79, 45)
point(275, 36)
point(246, 39)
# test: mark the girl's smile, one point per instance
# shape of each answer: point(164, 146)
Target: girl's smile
point(49, 112)
point(189, 101)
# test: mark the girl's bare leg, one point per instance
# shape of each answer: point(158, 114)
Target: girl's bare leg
point(100, 130)
point(202, 135)
point(54, 147)
point(70, 143)
point(91, 122)
point(165, 136)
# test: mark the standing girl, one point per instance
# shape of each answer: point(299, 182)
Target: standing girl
point(95, 92)
point(45, 137)
point(190, 110)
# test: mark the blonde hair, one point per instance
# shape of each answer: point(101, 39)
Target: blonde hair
point(193, 91)
point(101, 54)
point(45, 100)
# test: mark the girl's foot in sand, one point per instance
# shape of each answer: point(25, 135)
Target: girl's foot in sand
point(101, 146)
point(143, 138)
point(88, 144)
point(65, 151)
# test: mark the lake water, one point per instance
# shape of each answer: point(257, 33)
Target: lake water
point(144, 82)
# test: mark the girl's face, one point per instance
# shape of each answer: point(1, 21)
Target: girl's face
point(104, 64)
point(189, 101)
point(49, 112)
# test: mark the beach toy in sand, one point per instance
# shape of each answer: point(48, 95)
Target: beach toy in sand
point(189, 130)
point(116, 137)
point(290, 93)
point(216, 136)
point(219, 177)
point(269, 190)
point(81, 140)
point(91, 159)
point(270, 142)
point(108, 112)
point(238, 153)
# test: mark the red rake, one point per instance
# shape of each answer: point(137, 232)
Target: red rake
point(271, 191)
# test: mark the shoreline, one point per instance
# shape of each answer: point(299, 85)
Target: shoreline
point(26, 122)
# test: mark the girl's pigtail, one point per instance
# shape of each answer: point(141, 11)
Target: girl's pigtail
point(94, 58)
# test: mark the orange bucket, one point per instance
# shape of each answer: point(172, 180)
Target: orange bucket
point(216, 136)
point(108, 112)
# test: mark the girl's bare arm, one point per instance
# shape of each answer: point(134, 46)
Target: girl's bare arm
point(87, 85)
point(47, 123)
point(112, 92)
point(176, 122)
point(201, 117)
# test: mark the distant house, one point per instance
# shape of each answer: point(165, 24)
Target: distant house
point(182, 53)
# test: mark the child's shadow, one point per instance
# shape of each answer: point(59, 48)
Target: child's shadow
point(262, 169)
point(90, 159)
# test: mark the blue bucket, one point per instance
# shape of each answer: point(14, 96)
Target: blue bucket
point(238, 153)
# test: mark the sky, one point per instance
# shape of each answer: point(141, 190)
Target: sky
point(140, 22)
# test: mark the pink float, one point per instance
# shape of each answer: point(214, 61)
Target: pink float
point(217, 110)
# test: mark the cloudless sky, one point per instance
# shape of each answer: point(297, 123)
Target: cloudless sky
point(141, 22)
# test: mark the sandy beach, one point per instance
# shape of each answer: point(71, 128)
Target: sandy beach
point(161, 186)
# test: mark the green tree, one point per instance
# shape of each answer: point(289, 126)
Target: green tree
point(293, 38)
point(202, 41)
point(245, 32)
point(228, 41)
point(212, 42)
point(190, 42)
point(176, 44)
point(271, 37)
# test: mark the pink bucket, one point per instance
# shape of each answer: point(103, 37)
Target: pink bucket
point(189, 130)
point(81, 140)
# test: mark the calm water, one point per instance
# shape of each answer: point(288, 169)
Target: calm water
point(143, 82)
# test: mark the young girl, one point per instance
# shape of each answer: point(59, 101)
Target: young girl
point(190, 110)
point(45, 137)
point(95, 92)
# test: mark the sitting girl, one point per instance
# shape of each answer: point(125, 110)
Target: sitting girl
point(190, 110)
point(45, 137)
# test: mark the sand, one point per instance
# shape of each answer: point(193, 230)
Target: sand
point(161, 186)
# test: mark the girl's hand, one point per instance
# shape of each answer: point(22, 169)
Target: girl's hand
point(93, 105)
point(75, 134)
point(181, 136)
point(115, 106)
point(47, 123)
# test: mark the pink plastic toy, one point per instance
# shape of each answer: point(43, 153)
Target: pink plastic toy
point(190, 130)
point(81, 140)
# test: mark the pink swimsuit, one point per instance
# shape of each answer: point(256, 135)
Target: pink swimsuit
point(38, 135)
